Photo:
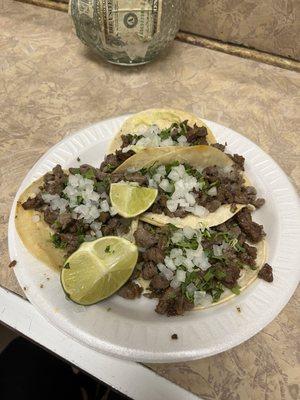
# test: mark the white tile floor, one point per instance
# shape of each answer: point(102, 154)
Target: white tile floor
point(6, 336)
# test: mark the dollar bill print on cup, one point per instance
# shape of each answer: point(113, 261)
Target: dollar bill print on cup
point(126, 32)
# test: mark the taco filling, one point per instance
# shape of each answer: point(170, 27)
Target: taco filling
point(184, 189)
point(178, 134)
point(187, 268)
point(77, 207)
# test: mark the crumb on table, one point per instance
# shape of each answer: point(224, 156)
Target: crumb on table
point(174, 336)
point(12, 264)
point(239, 309)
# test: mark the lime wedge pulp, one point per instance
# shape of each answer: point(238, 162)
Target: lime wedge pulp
point(98, 269)
point(130, 201)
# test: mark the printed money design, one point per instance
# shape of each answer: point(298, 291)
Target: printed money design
point(120, 28)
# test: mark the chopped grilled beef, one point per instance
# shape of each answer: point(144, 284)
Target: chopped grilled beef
point(34, 203)
point(149, 270)
point(127, 140)
point(154, 254)
point(257, 203)
point(159, 282)
point(121, 156)
point(253, 231)
point(248, 257)
point(72, 242)
point(144, 237)
point(112, 161)
point(239, 160)
point(266, 273)
point(213, 205)
point(55, 181)
point(219, 146)
point(196, 135)
point(179, 213)
point(232, 275)
point(115, 226)
point(77, 226)
point(136, 177)
point(173, 303)
point(130, 291)
point(50, 216)
point(104, 216)
point(64, 220)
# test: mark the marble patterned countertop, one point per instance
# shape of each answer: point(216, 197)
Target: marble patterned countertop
point(51, 86)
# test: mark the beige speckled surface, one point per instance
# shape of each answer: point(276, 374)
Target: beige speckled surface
point(269, 25)
point(51, 86)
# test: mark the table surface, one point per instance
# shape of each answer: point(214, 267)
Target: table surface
point(51, 86)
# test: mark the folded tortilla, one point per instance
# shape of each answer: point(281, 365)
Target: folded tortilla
point(163, 118)
point(35, 233)
point(197, 156)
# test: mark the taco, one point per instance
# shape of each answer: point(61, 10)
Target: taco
point(159, 128)
point(197, 187)
point(63, 209)
point(190, 269)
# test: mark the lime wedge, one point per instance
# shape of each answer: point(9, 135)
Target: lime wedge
point(98, 269)
point(130, 201)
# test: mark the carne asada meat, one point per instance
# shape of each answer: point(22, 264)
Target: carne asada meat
point(130, 291)
point(144, 237)
point(34, 203)
point(55, 181)
point(253, 231)
point(239, 160)
point(219, 146)
point(266, 273)
point(232, 275)
point(112, 161)
point(154, 254)
point(149, 270)
point(173, 303)
point(196, 135)
point(158, 283)
point(50, 216)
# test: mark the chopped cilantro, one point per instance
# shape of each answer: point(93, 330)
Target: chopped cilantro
point(208, 275)
point(189, 244)
point(215, 183)
point(239, 248)
point(89, 174)
point(107, 249)
point(165, 134)
point(102, 186)
point(219, 274)
point(206, 234)
point(57, 242)
point(189, 295)
point(80, 238)
point(66, 266)
point(57, 225)
point(216, 293)
point(236, 289)
point(109, 167)
point(170, 166)
point(149, 170)
point(79, 199)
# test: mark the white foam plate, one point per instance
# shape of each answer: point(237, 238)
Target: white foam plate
point(131, 329)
